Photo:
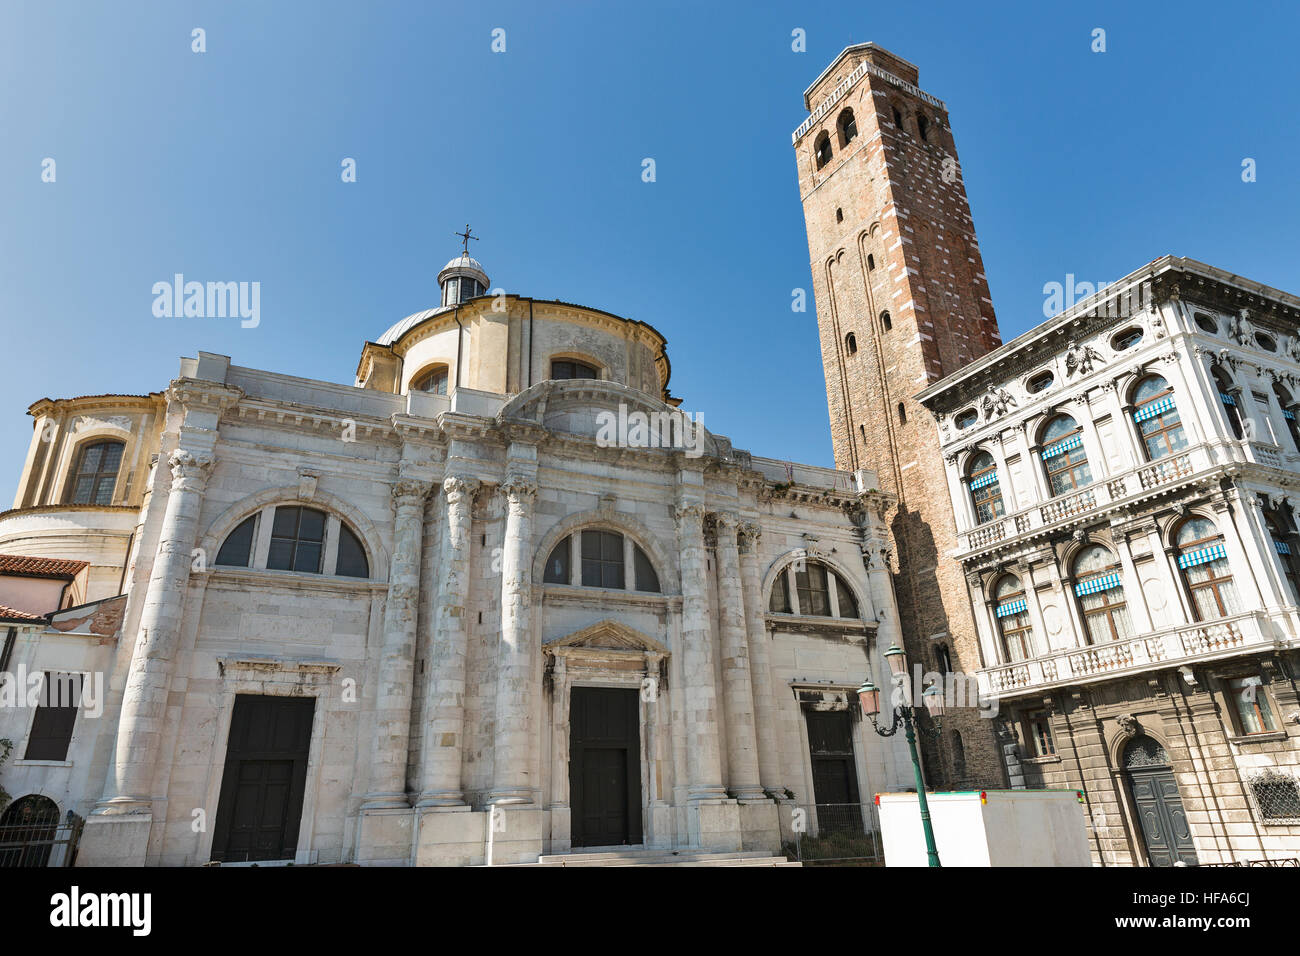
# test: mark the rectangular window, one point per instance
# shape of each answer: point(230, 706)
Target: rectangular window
point(297, 539)
point(814, 598)
point(602, 560)
point(1040, 733)
point(1254, 716)
point(56, 713)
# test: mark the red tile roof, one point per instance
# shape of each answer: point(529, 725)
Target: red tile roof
point(11, 614)
point(40, 567)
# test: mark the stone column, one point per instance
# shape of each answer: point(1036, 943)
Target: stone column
point(148, 683)
point(760, 662)
point(737, 692)
point(703, 758)
point(444, 704)
point(397, 661)
point(560, 731)
point(511, 743)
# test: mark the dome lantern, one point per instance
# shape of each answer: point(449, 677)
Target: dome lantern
point(462, 278)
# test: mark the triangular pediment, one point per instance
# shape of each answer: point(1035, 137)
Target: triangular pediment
point(609, 635)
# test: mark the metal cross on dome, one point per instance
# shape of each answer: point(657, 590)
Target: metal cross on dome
point(466, 236)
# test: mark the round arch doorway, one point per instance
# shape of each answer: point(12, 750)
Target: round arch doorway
point(1157, 803)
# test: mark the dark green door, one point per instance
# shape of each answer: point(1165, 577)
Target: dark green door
point(265, 776)
point(1165, 830)
point(605, 766)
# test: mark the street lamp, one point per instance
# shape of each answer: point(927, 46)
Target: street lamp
point(907, 712)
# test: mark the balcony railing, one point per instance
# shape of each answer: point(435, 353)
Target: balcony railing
point(1164, 648)
point(1058, 510)
point(1130, 484)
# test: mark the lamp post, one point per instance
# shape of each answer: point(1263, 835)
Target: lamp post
point(907, 712)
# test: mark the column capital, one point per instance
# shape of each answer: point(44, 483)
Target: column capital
point(458, 488)
point(519, 489)
point(750, 532)
point(189, 469)
point(691, 511)
point(726, 520)
point(410, 491)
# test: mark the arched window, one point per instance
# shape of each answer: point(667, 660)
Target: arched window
point(237, 549)
point(985, 490)
point(1229, 400)
point(1157, 419)
point(898, 117)
point(1288, 406)
point(30, 825)
point(1204, 564)
point(839, 215)
point(923, 126)
point(601, 562)
point(822, 149)
point(902, 414)
point(300, 539)
point(1064, 459)
point(1100, 591)
point(851, 343)
point(810, 588)
point(95, 473)
point(1013, 619)
point(871, 262)
point(431, 380)
point(958, 756)
point(1281, 530)
point(568, 368)
point(885, 321)
point(942, 659)
point(848, 127)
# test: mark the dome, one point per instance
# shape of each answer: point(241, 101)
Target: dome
point(463, 265)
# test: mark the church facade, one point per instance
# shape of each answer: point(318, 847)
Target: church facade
point(498, 597)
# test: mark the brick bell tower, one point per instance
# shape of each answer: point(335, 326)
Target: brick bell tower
point(902, 301)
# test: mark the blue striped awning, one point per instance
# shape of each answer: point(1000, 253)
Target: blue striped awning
point(988, 478)
point(1011, 607)
point(1227, 399)
point(1102, 582)
point(1282, 547)
point(1288, 414)
point(1152, 409)
point(1064, 445)
point(1204, 555)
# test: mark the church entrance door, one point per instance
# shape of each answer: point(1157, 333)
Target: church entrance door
point(260, 806)
point(605, 766)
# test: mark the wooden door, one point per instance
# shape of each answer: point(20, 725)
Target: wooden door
point(1159, 806)
point(605, 766)
point(260, 809)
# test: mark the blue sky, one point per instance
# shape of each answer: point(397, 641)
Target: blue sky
point(226, 166)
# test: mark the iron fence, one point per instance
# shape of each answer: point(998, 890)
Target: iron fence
point(40, 842)
point(835, 834)
point(1284, 861)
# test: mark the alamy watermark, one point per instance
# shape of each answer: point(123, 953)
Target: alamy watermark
point(211, 300)
point(675, 429)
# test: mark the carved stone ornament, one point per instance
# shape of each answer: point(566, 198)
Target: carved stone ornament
point(1128, 725)
point(188, 467)
point(1080, 358)
point(1242, 329)
point(997, 403)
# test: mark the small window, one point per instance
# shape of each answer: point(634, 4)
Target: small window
point(822, 149)
point(95, 473)
point(839, 215)
point(923, 126)
point(885, 321)
point(898, 118)
point(56, 714)
point(1040, 382)
point(1266, 342)
point(237, 550)
point(297, 539)
point(958, 755)
point(1277, 795)
point(1206, 324)
point(851, 343)
point(1040, 733)
point(871, 262)
point(602, 559)
point(848, 127)
point(902, 414)
point(352, 561)
point(646, 578)
point(966, 419)
point(434, 380)
point(942, 659)
point(557, 565)
point(1254, 715)
point(568, 368)
point(1126, 339)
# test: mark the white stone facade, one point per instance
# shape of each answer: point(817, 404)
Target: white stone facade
point(441, 679)
point(1125, 482)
